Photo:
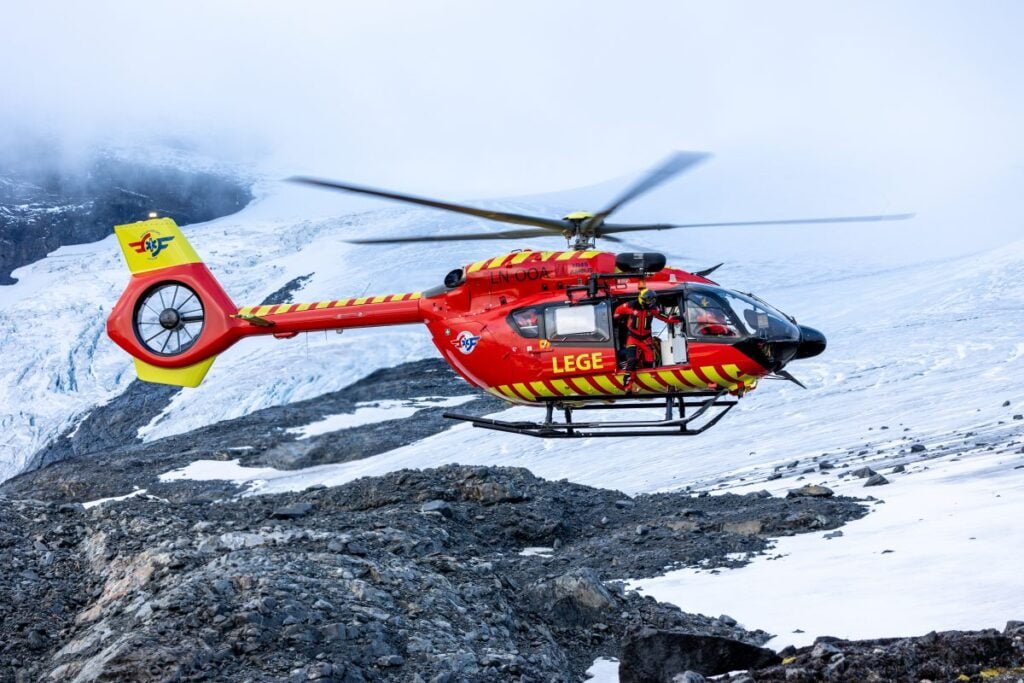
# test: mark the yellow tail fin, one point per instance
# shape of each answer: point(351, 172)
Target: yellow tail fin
point(154, 244)
point(188, 376)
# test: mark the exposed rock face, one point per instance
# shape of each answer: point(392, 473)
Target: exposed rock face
point(110, 426)
point(46, 203)
point(413, 573)
point(108, 435)
point(656, 656)
point(950, 656)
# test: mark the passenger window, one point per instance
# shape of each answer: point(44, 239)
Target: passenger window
point(584, 323)
point(527, 322)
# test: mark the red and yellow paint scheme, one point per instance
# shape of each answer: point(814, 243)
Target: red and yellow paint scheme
point(174, 318)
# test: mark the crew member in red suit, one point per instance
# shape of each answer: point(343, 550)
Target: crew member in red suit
point(640, 350)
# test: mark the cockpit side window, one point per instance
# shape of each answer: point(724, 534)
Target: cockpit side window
point(716, 314)
point(709, 316)
point(526, 321)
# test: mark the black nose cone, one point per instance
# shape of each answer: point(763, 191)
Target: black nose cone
point(812, 342)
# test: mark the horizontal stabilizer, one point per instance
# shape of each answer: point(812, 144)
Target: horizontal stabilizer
point(255, 320)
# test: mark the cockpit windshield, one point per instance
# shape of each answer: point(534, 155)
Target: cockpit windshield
point(714, 313)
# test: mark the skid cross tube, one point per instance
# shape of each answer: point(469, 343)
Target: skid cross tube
point(703, 402)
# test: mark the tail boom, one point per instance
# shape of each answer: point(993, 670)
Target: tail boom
point(339, 314)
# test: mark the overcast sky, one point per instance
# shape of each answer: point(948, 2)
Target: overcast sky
point(904, 102)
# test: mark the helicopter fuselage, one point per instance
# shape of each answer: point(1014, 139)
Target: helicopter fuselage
point(530, 327)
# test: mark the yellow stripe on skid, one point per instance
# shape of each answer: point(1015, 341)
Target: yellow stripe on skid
point(541, 390)
point(711, 372)
point(585, 387)
point(562, 388)
point(691, 377)
point(605, 382)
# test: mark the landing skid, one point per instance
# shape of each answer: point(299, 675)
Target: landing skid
point(706, 404)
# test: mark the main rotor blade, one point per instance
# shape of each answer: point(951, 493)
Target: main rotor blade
point(612, 227)
point(674, 165)
point(502, 235)
point(501, 216)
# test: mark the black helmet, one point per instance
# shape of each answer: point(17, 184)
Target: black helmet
point(647, 298)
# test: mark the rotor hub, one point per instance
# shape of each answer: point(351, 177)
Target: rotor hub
point(169, 318)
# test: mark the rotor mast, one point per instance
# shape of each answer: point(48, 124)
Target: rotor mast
point(579, 236)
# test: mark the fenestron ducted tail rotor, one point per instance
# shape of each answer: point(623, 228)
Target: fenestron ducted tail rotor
point(581, 229)
point(169, 319)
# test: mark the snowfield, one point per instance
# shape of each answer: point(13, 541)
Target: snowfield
point(942, 552)
point(919, 354)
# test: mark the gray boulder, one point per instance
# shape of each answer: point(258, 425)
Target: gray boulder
point(650, 654)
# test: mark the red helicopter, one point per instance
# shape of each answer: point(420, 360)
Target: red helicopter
point(536, 328)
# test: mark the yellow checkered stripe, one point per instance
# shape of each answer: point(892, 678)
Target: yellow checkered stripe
point(529, 257)
point(277, 309)
point(651, 382)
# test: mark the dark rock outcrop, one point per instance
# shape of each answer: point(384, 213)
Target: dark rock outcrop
point(108, 435)
point(385, 578)
point(950, 656)
point(108, 427)
point(46, 202)
point(657, 656)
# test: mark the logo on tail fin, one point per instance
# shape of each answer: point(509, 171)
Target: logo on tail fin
point(151, 242)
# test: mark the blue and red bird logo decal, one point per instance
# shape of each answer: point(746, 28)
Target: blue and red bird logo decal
point(466, 342)
point(151, 242)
